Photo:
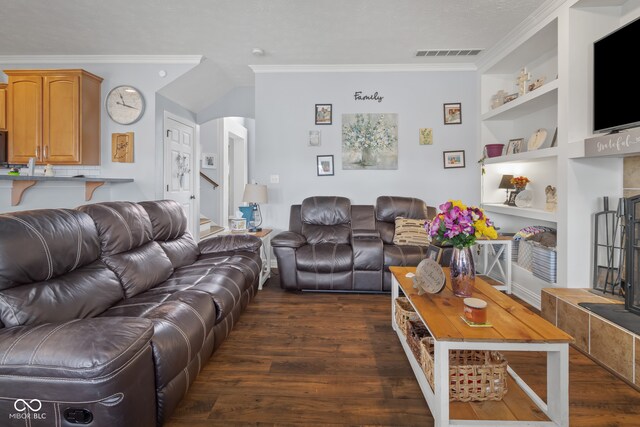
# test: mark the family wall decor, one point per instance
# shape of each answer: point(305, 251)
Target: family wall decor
point(358, 96)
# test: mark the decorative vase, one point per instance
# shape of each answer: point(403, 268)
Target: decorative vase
point(463, 272)
point(368, 157)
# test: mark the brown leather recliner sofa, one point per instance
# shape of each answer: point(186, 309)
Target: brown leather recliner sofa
point(332, 245)
point(109, 311)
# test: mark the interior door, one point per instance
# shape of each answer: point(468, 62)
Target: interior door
point(179, 164)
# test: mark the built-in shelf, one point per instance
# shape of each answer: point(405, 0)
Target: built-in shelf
point(543, 97)
point(524, 157)
point(532, 213)
point(21, 183)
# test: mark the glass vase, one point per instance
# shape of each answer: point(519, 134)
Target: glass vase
point(463, 272)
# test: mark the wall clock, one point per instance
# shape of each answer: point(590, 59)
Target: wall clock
point(125, 105)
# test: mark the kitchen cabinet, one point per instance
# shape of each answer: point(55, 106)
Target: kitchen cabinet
point(3, 106)
point(54, 116)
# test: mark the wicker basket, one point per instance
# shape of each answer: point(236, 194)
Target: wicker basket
point(475, 375)
point(416, 331)
point(404, 313)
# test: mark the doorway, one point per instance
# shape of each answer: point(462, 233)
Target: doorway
point(234, 167)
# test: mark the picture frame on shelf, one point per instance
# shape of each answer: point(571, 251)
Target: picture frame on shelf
point(510, 97)
point(324, 114)
point(453, 159)
point(515, 146)
point(511, 201)
point(209, 161)
point(324, 165)
point(452, 113)
point(434, 252)
point(554, 140)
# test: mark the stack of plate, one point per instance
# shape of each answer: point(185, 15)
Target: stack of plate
point(544, 263)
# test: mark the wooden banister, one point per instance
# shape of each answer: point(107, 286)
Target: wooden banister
point(209, 180)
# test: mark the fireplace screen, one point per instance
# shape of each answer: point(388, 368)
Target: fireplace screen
point(632, 294)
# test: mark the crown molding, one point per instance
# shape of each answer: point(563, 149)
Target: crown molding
point(361, 68)
point(101, 59)
point(544, 14)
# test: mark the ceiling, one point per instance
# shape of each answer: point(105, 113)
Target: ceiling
point(291, 32)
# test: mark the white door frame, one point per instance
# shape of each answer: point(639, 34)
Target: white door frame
point(231, 128)
point(195, 168)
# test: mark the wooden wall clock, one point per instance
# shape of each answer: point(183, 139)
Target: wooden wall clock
point(125, 105)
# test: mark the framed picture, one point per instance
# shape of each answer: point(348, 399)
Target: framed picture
point(314, 138)
point(325, 165)
point(515, 146)
point(511, 201)
point(209, 161)
point(453, 114)
point(323, 114)
point(453, 159)
point(435, 253)
point(426, 136)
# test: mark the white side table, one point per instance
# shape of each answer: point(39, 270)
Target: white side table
point(489, 257)
point(265, 251)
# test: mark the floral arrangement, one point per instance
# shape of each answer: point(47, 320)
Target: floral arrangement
point(460, 225)
point(366, 133)
point(520, 181)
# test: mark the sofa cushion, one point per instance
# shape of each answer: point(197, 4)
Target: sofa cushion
point(122, 226)
point(410, 232)
point(141, 268)
point(169, 227)
point(42, 244)
point(325, 210)
point(71, 350)
point(85, 292)
point(324, 258)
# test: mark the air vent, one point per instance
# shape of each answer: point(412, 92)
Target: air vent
point(448, 52)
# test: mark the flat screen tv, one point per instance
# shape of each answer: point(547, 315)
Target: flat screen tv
point(616, 89)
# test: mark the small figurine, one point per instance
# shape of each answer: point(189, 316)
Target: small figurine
point(522, 80)
point(498, 99)
point(552, 198)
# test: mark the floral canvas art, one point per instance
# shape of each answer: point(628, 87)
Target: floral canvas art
point(426, 136)
point(370, 141)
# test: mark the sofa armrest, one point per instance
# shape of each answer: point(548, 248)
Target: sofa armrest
point(83, 349)
point(230, 242)
point(365, 234)
point(288, 239)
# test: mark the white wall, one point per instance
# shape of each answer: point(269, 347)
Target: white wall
point(285, 105)
point(144, 169)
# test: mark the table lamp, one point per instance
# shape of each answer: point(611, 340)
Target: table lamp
point(505, 184)
point(254, 194)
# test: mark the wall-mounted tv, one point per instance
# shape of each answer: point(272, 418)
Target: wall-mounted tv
point(616, 89)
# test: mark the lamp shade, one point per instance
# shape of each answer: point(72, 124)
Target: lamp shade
point(255, 193)
point(505, 182)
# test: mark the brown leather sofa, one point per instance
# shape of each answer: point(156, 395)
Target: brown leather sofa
point(109, 311)
point(332, 245)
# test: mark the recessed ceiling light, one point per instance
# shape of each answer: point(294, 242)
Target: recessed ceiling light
point(257, 51)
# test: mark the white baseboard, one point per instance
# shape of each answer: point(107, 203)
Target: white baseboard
point(527, 295)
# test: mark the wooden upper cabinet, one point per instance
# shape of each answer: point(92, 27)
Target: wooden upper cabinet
point(3, 106)
point(54, 116)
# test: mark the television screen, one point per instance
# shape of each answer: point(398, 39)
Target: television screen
point(616, 90)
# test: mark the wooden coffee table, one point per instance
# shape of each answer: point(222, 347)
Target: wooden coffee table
point(515, 328)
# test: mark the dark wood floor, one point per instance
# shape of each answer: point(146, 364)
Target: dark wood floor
point(332, 359)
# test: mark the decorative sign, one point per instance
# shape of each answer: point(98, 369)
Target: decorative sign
point(358, 96)
point(122, 147)
point(626, 142)
point(429, 277)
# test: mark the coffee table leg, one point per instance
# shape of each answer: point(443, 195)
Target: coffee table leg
point(394, 295)
point(441, 383)
point(558, 385)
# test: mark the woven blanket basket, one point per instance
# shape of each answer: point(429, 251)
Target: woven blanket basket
point(404, 313)
point(475, 375)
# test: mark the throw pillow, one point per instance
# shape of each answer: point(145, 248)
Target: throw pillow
point(410, 232)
